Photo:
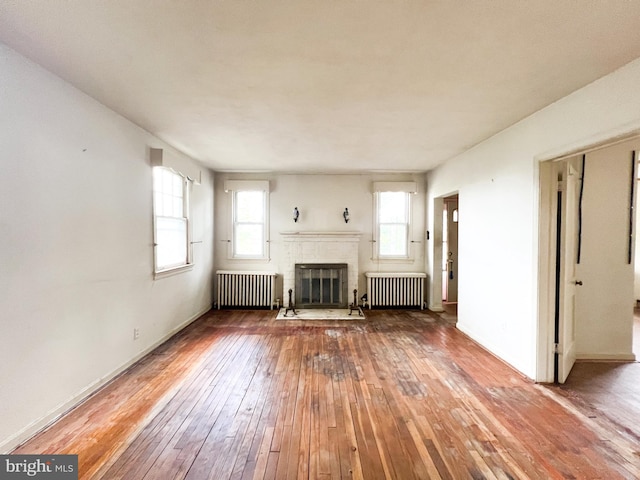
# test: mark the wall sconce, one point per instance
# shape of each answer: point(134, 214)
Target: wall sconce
point(345, 214)
point(296, 214)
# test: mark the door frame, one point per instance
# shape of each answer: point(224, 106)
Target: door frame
point(547, 247)
point(547, 170)
point(435, 290)
point(448, 202)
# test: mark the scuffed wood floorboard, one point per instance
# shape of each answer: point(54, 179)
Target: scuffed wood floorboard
point(399, 395)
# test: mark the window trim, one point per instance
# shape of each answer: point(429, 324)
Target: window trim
point(186, 206)
point(263, 224)
point(234, 187)
point(409, 189)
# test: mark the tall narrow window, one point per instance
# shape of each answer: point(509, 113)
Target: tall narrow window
point(393, 224)
point(171, 219)
point(249, 224)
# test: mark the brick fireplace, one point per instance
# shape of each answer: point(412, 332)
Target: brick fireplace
point(319, 248)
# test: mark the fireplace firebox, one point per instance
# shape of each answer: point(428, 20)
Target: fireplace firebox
point(321, 285)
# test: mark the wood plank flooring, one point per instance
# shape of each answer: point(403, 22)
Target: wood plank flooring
point(399, 395)
point(609, 390)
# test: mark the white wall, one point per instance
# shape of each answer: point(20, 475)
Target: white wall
point(76, 253)
point(321, 200)
point(498, 186)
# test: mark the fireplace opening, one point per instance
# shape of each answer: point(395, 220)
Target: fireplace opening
point(321, 285)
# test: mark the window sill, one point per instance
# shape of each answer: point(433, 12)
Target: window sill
point(393, 260)
point(250, 259)
point(169, 272)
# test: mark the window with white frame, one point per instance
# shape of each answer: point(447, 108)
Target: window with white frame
point(249, 224)
point(250, 215)
point(393, 224)
point(171, 219)
point(393, 219)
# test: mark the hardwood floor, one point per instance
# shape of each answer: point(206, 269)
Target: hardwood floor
point(401, 394)
point(609, 390)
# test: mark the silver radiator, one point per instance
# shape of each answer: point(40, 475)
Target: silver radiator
point(246, 289)
point(395, 289)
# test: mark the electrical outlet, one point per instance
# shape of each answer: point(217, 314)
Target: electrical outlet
point(136, 333)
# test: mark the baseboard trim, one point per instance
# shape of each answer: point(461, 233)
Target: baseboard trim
point(605, 357)
point(37, 426)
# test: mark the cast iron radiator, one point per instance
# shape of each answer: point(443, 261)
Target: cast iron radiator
point(246, 289)
point(396, 289)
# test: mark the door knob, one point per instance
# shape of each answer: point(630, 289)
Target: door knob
point(578, 282)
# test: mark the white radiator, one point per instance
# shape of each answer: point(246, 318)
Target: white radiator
point(246, 289)
point(395, 289)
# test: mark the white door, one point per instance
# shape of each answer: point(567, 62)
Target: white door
point(605, 302)
point(567, 281)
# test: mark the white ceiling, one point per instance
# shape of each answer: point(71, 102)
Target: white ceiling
point(324, 85)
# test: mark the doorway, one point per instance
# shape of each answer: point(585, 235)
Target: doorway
point(586, 272)
point(450, 217)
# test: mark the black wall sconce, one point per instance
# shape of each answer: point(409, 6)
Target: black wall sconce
point(345, 215)
point(296, 214)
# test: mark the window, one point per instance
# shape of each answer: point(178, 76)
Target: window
point(249, 224)
point(392, 220)
point(171, 219)
point(393, 224)
point(249, 219)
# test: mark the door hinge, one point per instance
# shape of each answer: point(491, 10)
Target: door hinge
point(557, 349)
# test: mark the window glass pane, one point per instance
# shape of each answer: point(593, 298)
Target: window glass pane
point(157, 179)
point(249, 223)
point(393, 207)
point(248, 240)
point(171, 237)
point(168, 193)
point(167, 181)
point(157, 204)
point(393, 239)
point(177, 210)
point(165, 205)
point(177, 186)
point(250, 206)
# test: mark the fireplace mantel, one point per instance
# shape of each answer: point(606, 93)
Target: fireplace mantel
point(319, 247)
point(319, 236)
